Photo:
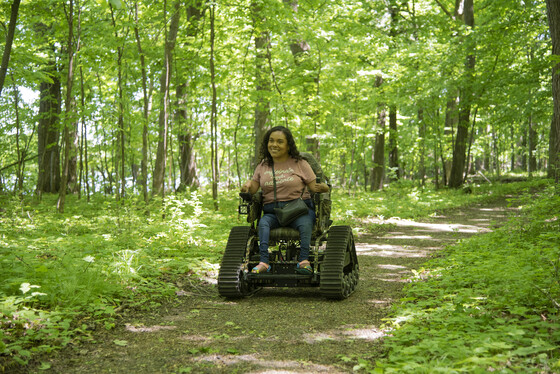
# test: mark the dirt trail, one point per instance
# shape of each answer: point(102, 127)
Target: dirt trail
point(281, 330)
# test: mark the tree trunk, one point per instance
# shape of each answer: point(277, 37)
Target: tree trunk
point(304, 63)
point(72, 181)
point(262, 83)
point(459, 151)
point(84, 174)
point(9, 42)
point(48, 133)
point(120, 105)
point(393, 144)
point(161, 156)
point(553, 13)
point(145, 107)
point(214, 112)
point(18, 187)
point(378, 169)
point(68, 110)
point(422, 137)
point(187, 135)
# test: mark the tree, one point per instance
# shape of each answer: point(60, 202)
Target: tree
point(553, 13)
point(48, 134)
point(378, 170)
point(165, 82)
point(145, 108)
point(68, 110)
point(460, 148)
point(9, 42)
point(262, 78)
point(187, 134)
point(214, 111)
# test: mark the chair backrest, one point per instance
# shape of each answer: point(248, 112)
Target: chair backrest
point(322, 201)
point(314, 165)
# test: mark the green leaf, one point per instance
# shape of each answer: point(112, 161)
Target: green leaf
point(116, 3)
point(120, 343)
point(45, 366)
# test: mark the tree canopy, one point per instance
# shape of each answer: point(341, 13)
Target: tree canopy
point(123, 97)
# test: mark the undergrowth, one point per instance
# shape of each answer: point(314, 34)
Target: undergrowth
point(66, 275)
point(488, 304)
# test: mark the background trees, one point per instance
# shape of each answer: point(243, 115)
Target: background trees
point(378, 90)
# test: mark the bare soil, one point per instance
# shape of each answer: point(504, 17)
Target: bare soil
point(280, 330)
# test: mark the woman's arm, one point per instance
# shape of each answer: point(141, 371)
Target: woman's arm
point(317, 187)
point(250, 186)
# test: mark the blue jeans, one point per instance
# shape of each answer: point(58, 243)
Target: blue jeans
point(303, 224)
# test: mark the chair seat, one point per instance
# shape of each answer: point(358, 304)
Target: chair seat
point(285, 233)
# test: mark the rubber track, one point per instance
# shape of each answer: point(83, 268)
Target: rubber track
point(229, 283)
point(332, 268)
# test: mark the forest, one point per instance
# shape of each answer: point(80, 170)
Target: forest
point(127, 98)
point(128, 126)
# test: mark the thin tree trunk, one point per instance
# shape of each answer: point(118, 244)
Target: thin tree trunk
point(553, 14)
point(84, 144)
point(378, 171)
point(68, 111)
point(9, 42)
point(393, 144)
point(213, 119)
point(422, 145)
point(161, 155)
point(121, 143)
point(145, 106)
point(18, 186)
point(262, 83)
point(532, 136)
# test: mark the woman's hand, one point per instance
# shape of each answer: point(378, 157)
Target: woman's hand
point(318, 187)
point(250, 186)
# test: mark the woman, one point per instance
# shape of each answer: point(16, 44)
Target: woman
point(281, 160)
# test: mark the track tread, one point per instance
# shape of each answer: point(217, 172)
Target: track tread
point(230, 283)
point(340, 243)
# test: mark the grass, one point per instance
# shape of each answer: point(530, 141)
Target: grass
point(66, 275)
point(489, 304)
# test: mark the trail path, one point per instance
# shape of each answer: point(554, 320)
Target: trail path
point(281, 330)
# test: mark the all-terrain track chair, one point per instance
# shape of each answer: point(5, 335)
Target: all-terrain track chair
point(332, 253)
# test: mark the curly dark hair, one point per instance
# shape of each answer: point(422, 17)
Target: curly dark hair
point(292, 148)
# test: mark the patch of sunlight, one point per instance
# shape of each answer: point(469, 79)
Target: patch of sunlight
point(391, 266)
point(387, 250)
point(318, 337)
point(408, 237)
point(126, 262)
point(363, 333)
point(380, 302)
point(366, 334)
point(196, 338)
point(397, 278)
point(429, 227)
point(269, 366)
point(497, 209)
point(132, 328)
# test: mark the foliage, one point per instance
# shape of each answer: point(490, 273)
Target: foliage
point(330, 94)
point(490, 303)
point(66, 275)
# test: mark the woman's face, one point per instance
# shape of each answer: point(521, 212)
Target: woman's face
point(278, 145)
